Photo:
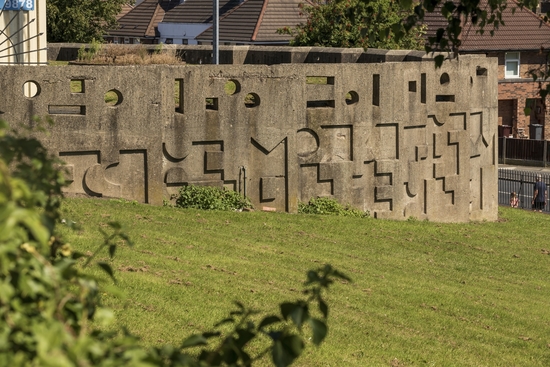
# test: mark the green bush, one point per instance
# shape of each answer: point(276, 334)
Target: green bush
point(210, 198)
point(330, 206)
point(50, 306)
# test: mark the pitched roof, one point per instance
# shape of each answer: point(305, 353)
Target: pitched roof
point(522, 30)
point(125, 9)
point(142, 20)
point(197, 11)
point(257, 21)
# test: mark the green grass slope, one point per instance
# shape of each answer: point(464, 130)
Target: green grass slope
point(423, 294)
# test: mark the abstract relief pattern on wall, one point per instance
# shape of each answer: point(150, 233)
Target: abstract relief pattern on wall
point(398, 139)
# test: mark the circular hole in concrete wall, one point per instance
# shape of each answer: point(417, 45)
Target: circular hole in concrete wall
point(444, 79)
point(352, 98)
point(231, 87)
point(31, 89)
point(251, 100)
point(113, 97)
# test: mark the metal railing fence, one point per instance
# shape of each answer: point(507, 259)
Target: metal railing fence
point(522, 183)
point(523, 150)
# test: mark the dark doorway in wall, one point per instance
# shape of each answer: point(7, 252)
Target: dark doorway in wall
point(507, 114)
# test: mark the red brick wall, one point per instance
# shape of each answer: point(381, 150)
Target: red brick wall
point(513, 95)
point(517, 93)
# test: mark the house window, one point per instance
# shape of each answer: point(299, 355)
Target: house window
point(512, 65)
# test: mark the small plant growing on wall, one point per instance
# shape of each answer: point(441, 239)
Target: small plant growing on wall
point(137, 54)
point(90, 53)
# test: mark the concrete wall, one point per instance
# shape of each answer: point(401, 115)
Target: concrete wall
point(399, 139)
point(264, 55)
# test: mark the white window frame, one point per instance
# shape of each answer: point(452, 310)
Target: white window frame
point(512, 59)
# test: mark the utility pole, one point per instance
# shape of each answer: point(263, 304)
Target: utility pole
point(215, 32)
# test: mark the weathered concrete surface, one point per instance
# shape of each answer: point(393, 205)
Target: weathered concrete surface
point(399, 139)
point(262, 55)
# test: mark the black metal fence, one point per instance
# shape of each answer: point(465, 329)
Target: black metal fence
point(535, 152)
point(522, 183)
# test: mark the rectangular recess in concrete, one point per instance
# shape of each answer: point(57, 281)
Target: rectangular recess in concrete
point(376, 89)
point(178, 95)
point(319, 104)
point(320, 80)
point(423, 88)
point(212, 104)
point(66, 110)
point(444, 98)
point(77, 86)
point(481, 71)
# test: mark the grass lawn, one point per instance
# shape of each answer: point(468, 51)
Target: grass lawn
point(423, 294)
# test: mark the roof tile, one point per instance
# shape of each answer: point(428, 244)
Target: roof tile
point(523, 30)
point(257, 21)
point(197, 11)
point(143, 19)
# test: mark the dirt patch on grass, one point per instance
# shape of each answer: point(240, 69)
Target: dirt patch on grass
point(175, 258)
point(210, 267)
point(135, 269)
point(148, 308)
point(180, 282)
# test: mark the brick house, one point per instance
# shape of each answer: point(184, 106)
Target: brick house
point(189, 18)
point(521, 45)
point(255, 22)
point(139, 23)
point(242, 22)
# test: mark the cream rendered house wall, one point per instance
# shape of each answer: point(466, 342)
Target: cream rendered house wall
point(23, 34)
point(181, 31)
